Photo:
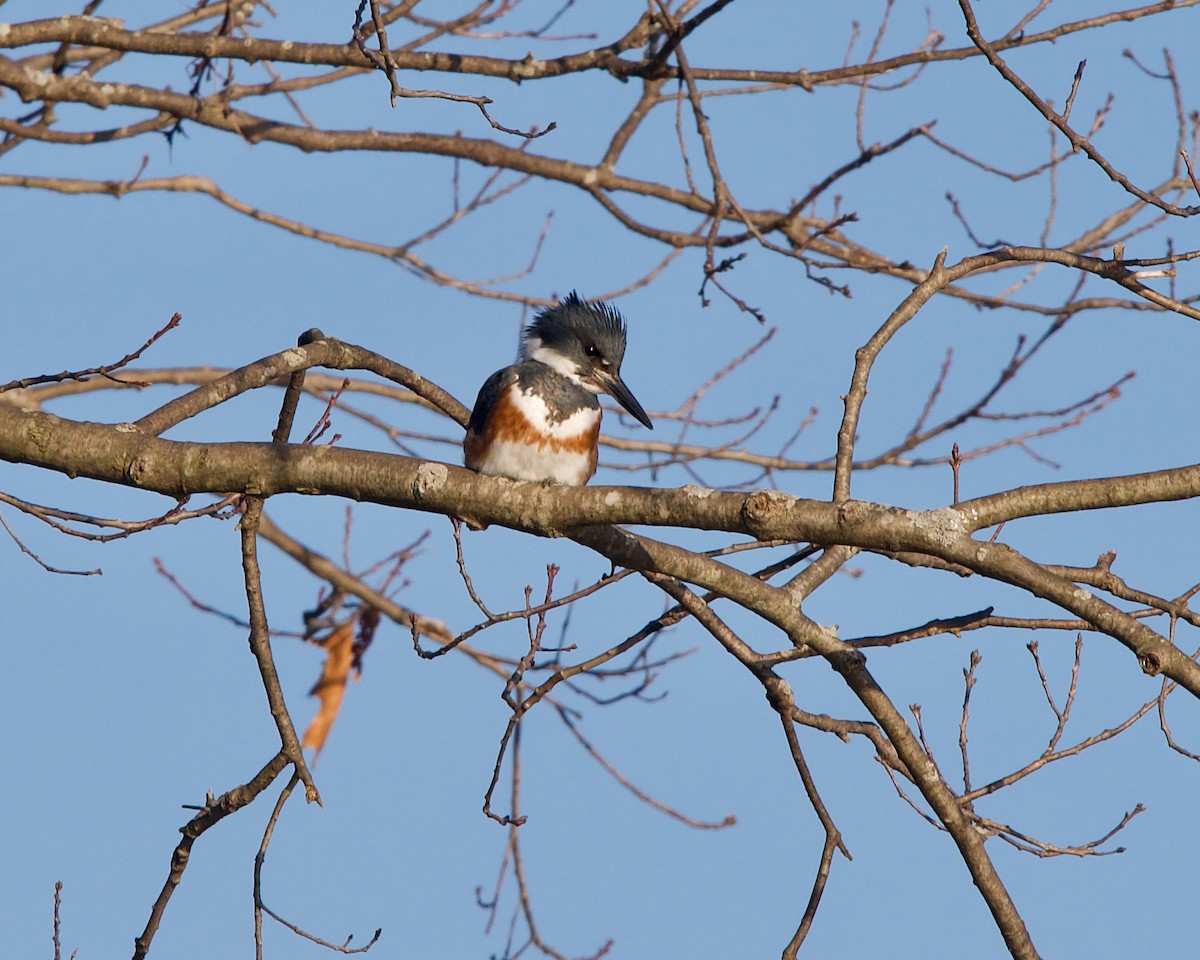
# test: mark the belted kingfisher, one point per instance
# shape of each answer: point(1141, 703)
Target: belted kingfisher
point(539, 419)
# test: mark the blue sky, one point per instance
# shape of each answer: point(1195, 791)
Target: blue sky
point(121, 702)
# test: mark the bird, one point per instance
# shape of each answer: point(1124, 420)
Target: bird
point(539, 419)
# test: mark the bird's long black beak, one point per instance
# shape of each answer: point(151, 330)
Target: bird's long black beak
point(615, 387)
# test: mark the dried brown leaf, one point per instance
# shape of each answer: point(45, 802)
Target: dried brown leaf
point(331, 687)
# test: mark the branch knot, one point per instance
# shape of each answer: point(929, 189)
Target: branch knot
point(761, 512)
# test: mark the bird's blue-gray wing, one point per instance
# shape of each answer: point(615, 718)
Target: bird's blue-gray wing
point(492, 387)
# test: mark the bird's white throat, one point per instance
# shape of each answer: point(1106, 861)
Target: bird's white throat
point(533, 348)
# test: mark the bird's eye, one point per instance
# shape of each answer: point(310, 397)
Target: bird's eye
point(591, 350)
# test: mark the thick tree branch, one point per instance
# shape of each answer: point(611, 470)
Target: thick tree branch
point(119, 454)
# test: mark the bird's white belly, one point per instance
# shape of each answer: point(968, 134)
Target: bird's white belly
point(522, 461)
